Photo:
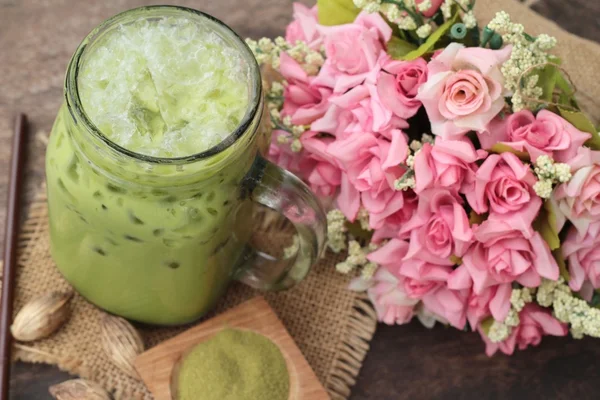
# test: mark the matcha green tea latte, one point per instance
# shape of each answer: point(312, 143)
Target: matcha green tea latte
point(153, 170)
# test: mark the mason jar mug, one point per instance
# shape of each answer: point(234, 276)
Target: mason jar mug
point(157, 239)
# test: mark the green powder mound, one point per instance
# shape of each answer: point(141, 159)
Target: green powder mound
point(234, 365)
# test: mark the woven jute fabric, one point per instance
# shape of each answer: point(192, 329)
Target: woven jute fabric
point(331, 325)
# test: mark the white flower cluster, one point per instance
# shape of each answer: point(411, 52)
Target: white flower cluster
point(363, 219)
point(274, 104)
point(501, 330)
point(267, 51)
point(407, 14)
point(584, 319)
point(498, 332)
point(370, 6)
point(274, 97)
point(427, 138)
point(424, 31)
point(466, 11)
point(292, 138)
point(469, 20)
point(406, 23)
point(549, 173)
point(415, 145)
point(407, 180)
point(336, 230)
point(520, 297)
point(446, 8)
point(527, 54)
point(545, 292)
point(357, 258)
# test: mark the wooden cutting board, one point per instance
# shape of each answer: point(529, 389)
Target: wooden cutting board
point(155, 366)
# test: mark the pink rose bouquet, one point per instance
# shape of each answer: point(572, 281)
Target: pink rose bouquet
point(463, 182)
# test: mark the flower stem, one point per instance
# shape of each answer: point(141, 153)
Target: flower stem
point(280, 126)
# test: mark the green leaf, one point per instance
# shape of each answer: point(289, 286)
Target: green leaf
point(486, 324)
point(562, 266)
point(456, 259)
point(397, 48)
point(336, 12)
point(595, 299)
point(431, 41)
point(580, 121)
point(503, 148)
point(358, 232)
point(564, 85)
point(551, 78)
point(545, 224)
point(547, 81)
point(475, 218)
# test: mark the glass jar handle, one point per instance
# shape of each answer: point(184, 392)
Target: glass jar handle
point(281, 191)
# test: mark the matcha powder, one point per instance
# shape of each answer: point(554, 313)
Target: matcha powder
point(234, 365)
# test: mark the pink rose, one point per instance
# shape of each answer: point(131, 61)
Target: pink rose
point(392, 304)
point(398, 84)
point(427, 318)
point(418, 277)
point(324, 177)
point(545, 134)
point(348, 200)
point(493, 300)
point(282, 155)
point(352, 51)
point(449, 304)
point(504, 187)
point(397, 211)
point(435, 5)
point(535, 322)
point(501, 255)
point(371, 162)
point(303, 102)
point(371, 165)
point(358, 110)
point(448, 164)
point(579, 199)
point(304, 27)
point(464, 90)
point(440, 227)
point(583, 254)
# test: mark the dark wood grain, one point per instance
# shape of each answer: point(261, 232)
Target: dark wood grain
point(9, 271)
point(37, 38)
point(412, 362)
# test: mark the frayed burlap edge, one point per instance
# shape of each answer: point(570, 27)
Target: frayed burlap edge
point(353, 349)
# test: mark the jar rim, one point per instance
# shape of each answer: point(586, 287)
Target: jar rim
point(78, 113)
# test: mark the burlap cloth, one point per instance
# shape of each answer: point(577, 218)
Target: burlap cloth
point(331, 325)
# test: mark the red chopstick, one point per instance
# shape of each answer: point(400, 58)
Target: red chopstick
point(10, 250)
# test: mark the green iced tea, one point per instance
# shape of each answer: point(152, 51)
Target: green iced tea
point(141, 224)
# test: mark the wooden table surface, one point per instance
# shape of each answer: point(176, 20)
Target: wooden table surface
point(37, 38)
